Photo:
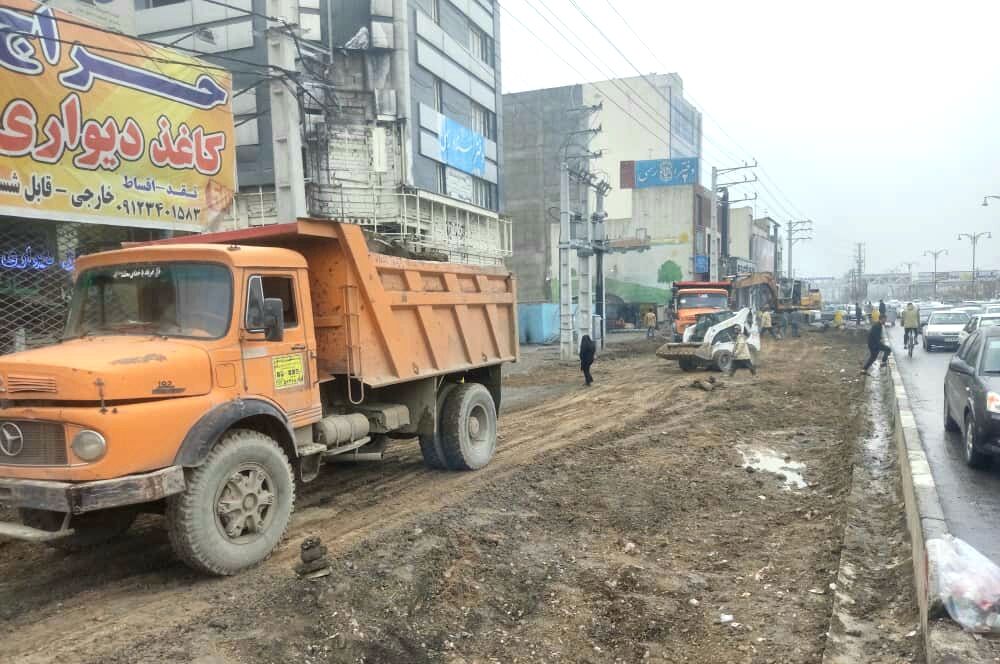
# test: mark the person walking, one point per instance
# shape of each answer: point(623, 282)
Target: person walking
point(876, 345)
point(795, 316)
point(881, 310)
point(838, 320)
point(766, 326)
point(649, 320)
point(876, 316)
point(742, 357)
point(857, 313)
point(587, 350)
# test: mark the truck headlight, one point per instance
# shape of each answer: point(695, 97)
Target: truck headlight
point(993, 402)
point(89, 445)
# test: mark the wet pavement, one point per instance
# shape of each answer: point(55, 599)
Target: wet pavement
point(970, 498)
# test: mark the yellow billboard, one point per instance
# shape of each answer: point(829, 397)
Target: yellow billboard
point(101, 128)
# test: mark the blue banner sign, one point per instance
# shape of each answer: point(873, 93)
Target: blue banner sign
point(461, 147)
point(666, 172)
point(700, 263)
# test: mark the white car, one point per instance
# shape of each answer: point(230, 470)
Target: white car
point(943, 328)
point(978, 321)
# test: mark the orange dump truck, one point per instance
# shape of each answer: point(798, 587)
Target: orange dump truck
point(693, 298)
point(203, 377)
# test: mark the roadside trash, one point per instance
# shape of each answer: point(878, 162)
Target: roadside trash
point(725, 619)
point(314, 563)
point(693, 602)
point(709, 385)
point(630, 548)
point(967, 583)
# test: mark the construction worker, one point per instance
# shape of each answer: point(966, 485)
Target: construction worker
point(649, 320)
point(766, 324)
point(742, 357)
point(838, 320)
point(876, 315)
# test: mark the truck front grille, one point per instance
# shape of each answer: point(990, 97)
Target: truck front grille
point(27, 443)
point(17, 383)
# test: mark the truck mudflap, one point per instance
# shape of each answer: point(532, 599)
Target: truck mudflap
point(81, 497)
point(28, 534)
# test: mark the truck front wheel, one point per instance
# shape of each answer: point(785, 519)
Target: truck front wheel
point(236, 507)
point(89, 530)
point(468, 427)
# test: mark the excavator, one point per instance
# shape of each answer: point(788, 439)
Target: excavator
point(760, 291)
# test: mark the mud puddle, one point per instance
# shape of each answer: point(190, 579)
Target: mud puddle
point(769, 461)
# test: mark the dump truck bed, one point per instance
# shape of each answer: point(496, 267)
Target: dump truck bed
point(387, 320)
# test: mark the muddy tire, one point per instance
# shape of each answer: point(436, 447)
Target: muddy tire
point(430, 445)
point(89, 530)
point(468, 430)
point(236, 507)
point(949, 422)
point(724, 361)
point(687, 364)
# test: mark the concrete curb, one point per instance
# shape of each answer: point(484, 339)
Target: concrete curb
point(944, 641)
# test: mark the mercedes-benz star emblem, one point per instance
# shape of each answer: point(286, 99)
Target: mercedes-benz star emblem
point(11, 439)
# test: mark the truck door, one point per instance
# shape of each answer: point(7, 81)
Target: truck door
point(277, 369)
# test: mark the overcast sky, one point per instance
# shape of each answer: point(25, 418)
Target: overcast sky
point(877, 119)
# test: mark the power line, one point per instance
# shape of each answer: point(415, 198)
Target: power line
point(704, 112)
point(581, 74)
point(641, 104)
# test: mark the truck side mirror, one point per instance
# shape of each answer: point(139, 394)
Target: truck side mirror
point(274, 319)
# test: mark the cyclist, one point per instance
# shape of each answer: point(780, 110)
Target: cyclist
point(911, 323)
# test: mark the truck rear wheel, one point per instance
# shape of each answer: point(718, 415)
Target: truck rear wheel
point(468, 431)
point(89, 530)
point(236, 507)
point(430, 444)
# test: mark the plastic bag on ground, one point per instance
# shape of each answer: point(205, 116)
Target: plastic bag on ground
point(967, 583)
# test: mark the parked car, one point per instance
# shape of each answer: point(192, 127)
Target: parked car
point(972, 395)
point(943, 328)
point(977, 322)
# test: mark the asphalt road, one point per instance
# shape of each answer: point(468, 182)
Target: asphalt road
point(970, 498)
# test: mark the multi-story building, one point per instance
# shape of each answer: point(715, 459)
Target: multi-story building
point(596, 127)
point(401, 113)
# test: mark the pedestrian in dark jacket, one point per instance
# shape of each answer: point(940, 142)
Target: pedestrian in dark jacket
point(587, 350)
point(875, 346)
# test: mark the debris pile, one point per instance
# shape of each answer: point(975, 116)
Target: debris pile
point(315, 563)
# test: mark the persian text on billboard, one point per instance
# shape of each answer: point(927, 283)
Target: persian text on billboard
point(665, 172)
point(102, 128)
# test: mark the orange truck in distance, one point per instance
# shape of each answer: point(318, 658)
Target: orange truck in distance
point(204, 377)
point(693, 298)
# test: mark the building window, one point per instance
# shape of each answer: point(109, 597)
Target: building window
point(442, 179)
point(481, 44)
point(484, 121)
point(484, 193)
point(163, 3)
point(438, 95)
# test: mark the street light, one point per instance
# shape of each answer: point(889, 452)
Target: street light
point(986, 199)
point(974, 238)
point(935, 254)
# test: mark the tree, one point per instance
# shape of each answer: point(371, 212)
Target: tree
point(669, 272)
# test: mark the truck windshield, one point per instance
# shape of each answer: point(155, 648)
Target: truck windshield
point(702, 301)
point(167, 299)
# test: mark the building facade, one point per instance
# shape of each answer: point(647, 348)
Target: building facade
point(595, 127)
point(401, 113)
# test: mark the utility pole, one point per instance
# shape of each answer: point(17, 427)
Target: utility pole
point(974, 238)
point(909, 286)
point(714, 271)
point(600, 246)
point(286, 132)
point(566, 350)
point(797, 231)
point(859, 270)
point(935, 254)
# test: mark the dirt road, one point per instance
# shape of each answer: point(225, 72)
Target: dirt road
point(617, 523)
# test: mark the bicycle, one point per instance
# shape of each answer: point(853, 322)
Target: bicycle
point(911, 341)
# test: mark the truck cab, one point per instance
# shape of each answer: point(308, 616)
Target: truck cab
point(202, 380)
point(694, 298)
